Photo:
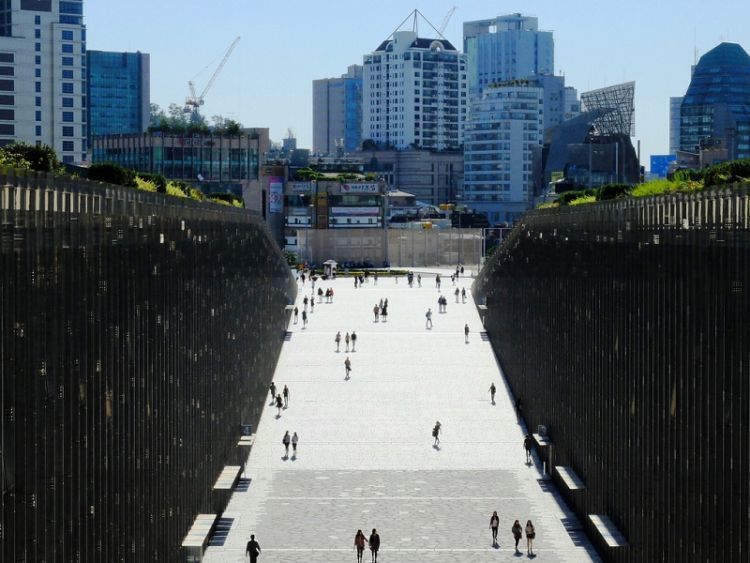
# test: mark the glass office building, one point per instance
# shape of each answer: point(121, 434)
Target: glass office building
point(214, 163)
point(716, 106)
point(118, 92)
point(337, 113)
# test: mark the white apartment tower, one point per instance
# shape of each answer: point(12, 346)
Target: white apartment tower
point(505, 128)
point(414, 93)
point(42, 70)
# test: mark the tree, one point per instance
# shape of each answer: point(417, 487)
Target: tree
point(369, 145)
point(41, 158)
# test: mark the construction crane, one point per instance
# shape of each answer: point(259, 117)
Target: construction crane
point(194, 101)
point(446, 19)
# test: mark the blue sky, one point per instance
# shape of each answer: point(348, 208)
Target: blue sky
point(285, 45)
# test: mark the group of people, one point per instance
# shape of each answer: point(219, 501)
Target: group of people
point(361, 279)
point(293, 440)
point(280, 400)
point(359, 544)
point(517, 532)
point(381, 310)
point(348, 339)
point(462, 293)
point(442, 304)
point(328, 295)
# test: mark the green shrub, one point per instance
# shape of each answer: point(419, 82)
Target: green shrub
point(583, 199)
point(727, 173)
point(654, 188)
point(687, 175)
point(613, 191)
point(174, 189)
point(41, 158)
point(113, 174)
point(158, 180)
point(196, 194)
point(145, 185)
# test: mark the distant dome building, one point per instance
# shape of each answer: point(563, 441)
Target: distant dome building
point(715, 112)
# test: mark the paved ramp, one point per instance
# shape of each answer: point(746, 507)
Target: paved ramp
point(366, 458)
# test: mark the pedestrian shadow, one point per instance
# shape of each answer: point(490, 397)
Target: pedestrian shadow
point(278, 416)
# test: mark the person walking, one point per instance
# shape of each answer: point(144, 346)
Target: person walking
point(463, 295)
point(295, 439)
point(360, 540)
point(312, 304)
point(285, 392)
point(437, 281)
point(419, 280)
point(354, 341)
point(457, 292)
point(493, 390)
point(279, 405)
point(494, 525)
point(346, 339)
point(530, 535)
point(347, 367)
point(428, 317)
point(374, 282)
point(304, 319)
point(304, 303)
point(356, 281)
point(376, 312)
point(466, 333)
point(286, 440)
point(320, 295)
point(384, 312)
point(302, 277)
point(272, 389)
point(462, 270)
point(296, 314)
point(253, 547)
point(374, 545)
point(436, 433)
point(337, 340)
point(528, 443)
point(517, 532)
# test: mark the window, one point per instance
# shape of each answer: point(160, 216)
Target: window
point(67, 87)
point(67, 102)
point(68, 74)
point(7, 114)
point(38, 101)
point(67, 131)
point(7, 58)
point(67, 48)
point(7, 100)
point(38, 115)
point(38, 60)
point(67, 158)
point(72, 20)
point(37, 33)
point(67, 61)
point(37, 47)
point(68, 146)
point(37, 72)
point(6, 71)
point(37, 20)
point(38, 130)
point(67, 35)
point(67, 117)
point(37, 87)
point(71, 8)
point(7, 129)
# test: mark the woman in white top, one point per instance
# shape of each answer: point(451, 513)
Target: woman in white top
point(530, 535)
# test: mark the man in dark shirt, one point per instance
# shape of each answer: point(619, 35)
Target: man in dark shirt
point(374, 545)
point(253, 549)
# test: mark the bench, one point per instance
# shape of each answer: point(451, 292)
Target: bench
point(608, 531)
point(228, 478)
point(196, 540)
point(246, 441)
point(570, 478)
point(541, 441)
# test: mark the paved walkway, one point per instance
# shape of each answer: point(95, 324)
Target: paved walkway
point(366, 458)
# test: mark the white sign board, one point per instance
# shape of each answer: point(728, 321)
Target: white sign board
point(360, 188)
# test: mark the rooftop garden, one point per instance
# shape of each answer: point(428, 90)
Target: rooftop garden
point(724, 175)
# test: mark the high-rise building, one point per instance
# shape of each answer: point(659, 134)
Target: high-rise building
point(715, 110)
point(505, 48)
point(118, 92)
point(675, 103)
point(42, 70)
point(504, 128)
point(337, 112)
point(414, 93)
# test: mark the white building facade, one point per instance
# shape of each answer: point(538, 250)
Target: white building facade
point(506, 48)
point(503, 128)
point(414, 93)
point(42, 75)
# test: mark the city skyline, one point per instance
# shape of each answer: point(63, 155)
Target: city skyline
point(268, 80)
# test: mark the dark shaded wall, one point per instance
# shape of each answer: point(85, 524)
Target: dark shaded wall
point(624, 327)
point(139, 332)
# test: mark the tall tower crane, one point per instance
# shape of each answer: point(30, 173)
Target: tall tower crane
point(445, 21)
point(194, 101)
